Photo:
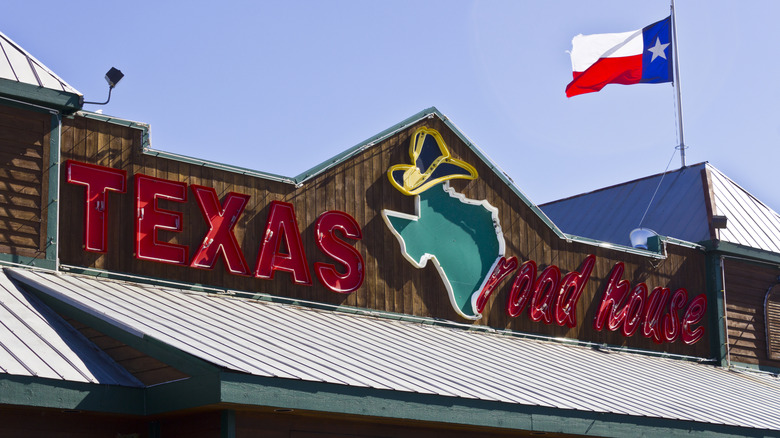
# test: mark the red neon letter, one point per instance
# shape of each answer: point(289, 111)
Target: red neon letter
point(545, 287)
point(282, 228)
point(97, 181)
point(501, 269)
point(633, 310)
point(672, 319)
point(693, 315)
point(656, 303)
point(150, 218)
point(349, 257)
point(521, 289)
point(220, 238)
point(613, 296)
point(570, 291)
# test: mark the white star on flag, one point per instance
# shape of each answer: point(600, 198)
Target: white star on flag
point(658, 50)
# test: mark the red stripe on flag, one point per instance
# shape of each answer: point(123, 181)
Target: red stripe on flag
point(625, 70)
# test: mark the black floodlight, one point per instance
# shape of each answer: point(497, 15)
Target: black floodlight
point(113, 77)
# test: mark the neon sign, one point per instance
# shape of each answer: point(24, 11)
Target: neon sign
point(463, 238)
point(629, 312)
point(281, 248)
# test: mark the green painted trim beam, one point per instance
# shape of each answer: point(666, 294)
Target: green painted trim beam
point(61, 394)
point(341, 399)
point(147, 150)
point(15, 259)
point(143, 127)
point(100, 273)
point(215, 165)
point(188, 393)
point(59, 100)
point(741, 251)
point(52, 209)
point(755, 367)
point(716, 309)
point(228, 424)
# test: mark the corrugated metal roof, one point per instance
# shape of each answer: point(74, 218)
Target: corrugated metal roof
point(284, 341)
point(19, 66)
point(678, 210)
point(750, 222)
point(609, 214)
point(35, 341)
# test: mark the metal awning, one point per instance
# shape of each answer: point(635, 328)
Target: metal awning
point(280, 341)
point(36, 342)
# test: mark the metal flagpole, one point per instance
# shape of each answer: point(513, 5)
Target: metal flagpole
point(677, 86)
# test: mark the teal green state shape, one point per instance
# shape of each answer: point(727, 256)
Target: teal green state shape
point(462, 236)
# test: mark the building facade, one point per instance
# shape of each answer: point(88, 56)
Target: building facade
point(405, 287)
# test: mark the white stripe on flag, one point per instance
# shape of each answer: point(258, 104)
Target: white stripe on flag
point(587, 49)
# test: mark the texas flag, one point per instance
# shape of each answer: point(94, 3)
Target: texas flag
point(641, 56)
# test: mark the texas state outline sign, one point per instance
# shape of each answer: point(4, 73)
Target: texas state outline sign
point(464, 240)
point(461, 236)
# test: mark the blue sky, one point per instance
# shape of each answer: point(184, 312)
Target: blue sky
point(282, 86)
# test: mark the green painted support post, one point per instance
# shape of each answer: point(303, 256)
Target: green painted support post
point(154, 429)
point(52, 210)
point(716, 310)
point(228, 426)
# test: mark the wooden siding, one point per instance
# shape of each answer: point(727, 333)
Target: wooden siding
point(24, 152)
point(746, 286)
point(359, 187)
point(772, 315)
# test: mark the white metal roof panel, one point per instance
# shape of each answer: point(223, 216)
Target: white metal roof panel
point(750, 222)
point(6, 72)
point(35, 341)
point(275, 340)
point(19, 66)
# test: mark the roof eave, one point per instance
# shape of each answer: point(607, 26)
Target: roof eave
point(62, 101)
point(735, 250)
point(375, 139)
point(301, 395)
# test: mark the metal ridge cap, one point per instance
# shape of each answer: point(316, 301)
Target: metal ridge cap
point(111, 119)
point(298, 180)
point(213, 164)
point(503, 176)
point(148, 150)
point(365, 144)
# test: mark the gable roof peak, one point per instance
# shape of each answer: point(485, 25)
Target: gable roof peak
point(17, 65)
